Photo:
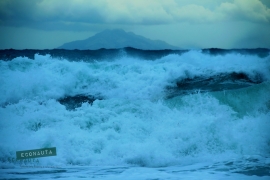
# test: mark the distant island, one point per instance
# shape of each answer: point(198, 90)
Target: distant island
point(115, 39)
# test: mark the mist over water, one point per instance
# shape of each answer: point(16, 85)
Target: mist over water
point(179, 109)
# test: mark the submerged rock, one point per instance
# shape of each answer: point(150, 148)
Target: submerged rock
point(219, 82)
point(73, 102)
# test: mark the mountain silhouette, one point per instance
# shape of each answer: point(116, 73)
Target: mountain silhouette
point(115, 39)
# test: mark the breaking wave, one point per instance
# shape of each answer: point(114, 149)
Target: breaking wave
point(178, 109)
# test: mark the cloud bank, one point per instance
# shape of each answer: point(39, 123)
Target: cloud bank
point(77, 14)
point(184, 23)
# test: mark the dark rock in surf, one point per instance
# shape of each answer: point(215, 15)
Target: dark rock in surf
point(219, 82)
point(73, 102)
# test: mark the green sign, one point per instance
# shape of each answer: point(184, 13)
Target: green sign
point(36, 153)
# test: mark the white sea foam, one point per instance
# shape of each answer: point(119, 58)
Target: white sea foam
point(127, 77)
point(133, 124)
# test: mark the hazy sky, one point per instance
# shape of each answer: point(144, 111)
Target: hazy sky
point(41, 24)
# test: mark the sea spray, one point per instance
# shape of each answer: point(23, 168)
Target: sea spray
point(133, 120)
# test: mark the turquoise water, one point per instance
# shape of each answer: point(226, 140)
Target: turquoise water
point(134, 130)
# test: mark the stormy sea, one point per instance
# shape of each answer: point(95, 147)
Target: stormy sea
point(136, 114)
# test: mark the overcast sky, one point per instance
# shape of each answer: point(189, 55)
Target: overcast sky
point(47, 24)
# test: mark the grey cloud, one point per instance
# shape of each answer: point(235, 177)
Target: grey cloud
point(266, 3)
point(66, 13)
point(253, 11)
point(255, 37)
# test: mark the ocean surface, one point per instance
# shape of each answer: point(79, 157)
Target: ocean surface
point(133, 114)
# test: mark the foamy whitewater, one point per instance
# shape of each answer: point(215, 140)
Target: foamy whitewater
point(140, 124)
